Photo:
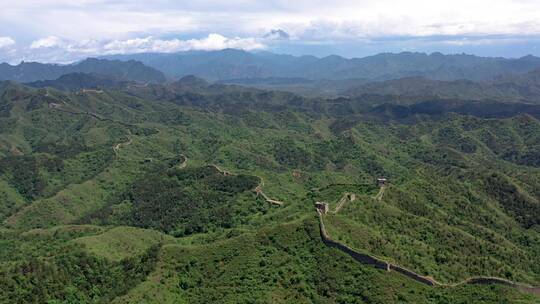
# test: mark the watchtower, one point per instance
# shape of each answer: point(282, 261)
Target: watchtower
point(322, 207)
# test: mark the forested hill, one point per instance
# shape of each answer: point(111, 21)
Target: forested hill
point(192, 91)
point(199, 93)
point(124, 70)
point(194, 192)
point(521, 88)
point(78, 81)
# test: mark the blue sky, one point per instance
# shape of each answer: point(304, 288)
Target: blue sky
point(64, 31)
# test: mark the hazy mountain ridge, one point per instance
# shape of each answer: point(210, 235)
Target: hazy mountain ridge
point(125, 70)
point(236, 64)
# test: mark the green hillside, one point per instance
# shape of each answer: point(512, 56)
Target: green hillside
point(198, 193)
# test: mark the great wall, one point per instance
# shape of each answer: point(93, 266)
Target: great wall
point(116, 148)
point(374, 261)
point(380, 194)
point(182, 165)
point(83, 91)
point(257, 189)
point(347, 197)
point(363, 258)
point(59, 107)
point(379, 263)
point(184, 162)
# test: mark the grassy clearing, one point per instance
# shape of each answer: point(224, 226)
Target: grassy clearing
point(122, 242)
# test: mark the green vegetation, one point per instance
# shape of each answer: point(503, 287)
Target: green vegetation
point(42, 265)
point(97, 207)
point(288, 264)
point(120, 243)
point(73, 276)
point(183, 201)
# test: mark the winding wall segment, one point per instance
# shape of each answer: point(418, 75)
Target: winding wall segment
point(382, 264)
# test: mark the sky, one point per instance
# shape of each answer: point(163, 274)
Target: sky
point(64, 31)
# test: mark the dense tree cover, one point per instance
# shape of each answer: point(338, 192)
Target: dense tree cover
point(527, 158)
point(24, 172)
point(523, 208)
point(67, 149)
point(182, 201)
point(73, 276)
point(188, 201)
point(38, 175)
point(289, 264)
point(288, 153)
point(462, 199)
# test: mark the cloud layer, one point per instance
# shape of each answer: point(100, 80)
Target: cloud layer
point(56, 49)
point(211, 42)
point(6, 42)
point(106, 26)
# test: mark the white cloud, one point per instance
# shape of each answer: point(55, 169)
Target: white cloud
point(121, 19)
point(209, 43)
point(7, 48)
point(94, 26)
point(47, 42)
point(484, 41)
point(218, 42)
point(6, 42)
point(55, 49)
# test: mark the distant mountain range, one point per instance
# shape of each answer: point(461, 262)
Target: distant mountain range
point(236, 64)
point(122, 70)
point(404, 78)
